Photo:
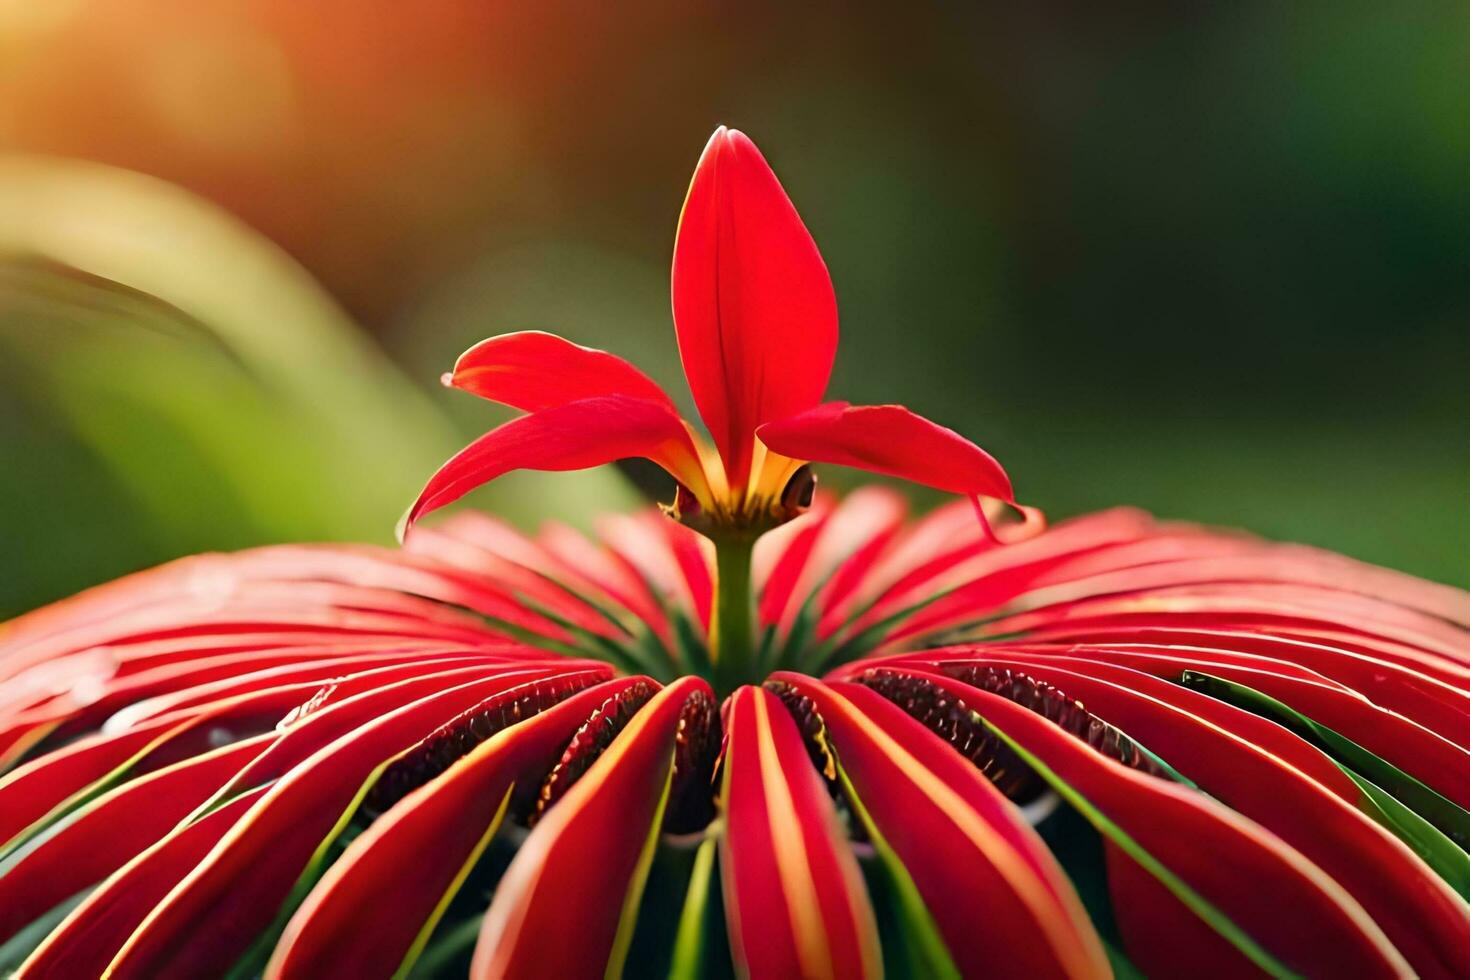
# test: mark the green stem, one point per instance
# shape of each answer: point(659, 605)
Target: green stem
point(732, 634)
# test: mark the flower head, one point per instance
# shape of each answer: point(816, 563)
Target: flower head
point(1114, 742)
point(756, 320)
point(857, 745)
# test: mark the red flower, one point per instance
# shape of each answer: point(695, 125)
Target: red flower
point(757, 326)
point(856, 745)
point(324, 757)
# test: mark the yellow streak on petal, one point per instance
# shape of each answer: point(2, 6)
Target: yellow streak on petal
point(503, 920)
point(1079, 957)
point(807, 927)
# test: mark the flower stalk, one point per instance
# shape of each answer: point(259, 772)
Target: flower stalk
point(732, 647)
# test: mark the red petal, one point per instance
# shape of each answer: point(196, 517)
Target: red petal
point(561, 907)
point(417, 849)
point(86, 941)
point(111, 831)
point(889, 439)
point(1433, 703)
point(224, 904)
point(29, 792)
point(796, 901)
point(1261, 884)
point(40, 788)
point(533, 370)
point(778, 583)
point(575, 436)
point(753, 304)
point(985, 876)
point(341, 717)
point(1423, 917)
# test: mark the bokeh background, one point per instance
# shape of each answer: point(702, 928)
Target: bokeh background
point(1213, 260)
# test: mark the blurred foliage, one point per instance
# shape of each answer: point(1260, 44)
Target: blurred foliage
point(1208, 259)
point(172, 383)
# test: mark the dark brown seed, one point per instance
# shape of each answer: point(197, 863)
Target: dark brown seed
point(591, 740)
point(954, 721)
point(1066, 712)
point(697, 740)
point(455, 739)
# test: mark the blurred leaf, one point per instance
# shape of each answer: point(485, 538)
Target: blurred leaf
point(171, 382)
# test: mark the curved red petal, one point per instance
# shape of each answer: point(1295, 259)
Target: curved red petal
point(891, 440)
point(417, 849)
point(1419, 912)
point(533, 370)
point(88, 939)
point(1265, 887)
point(754, 308)
point(111, 831)
point(575, 436)
point(560, 909)
point(984, 874)
point(795, 899)
point(224, 904)
point(50, 785)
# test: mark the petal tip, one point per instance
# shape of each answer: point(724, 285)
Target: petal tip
point(405, 523)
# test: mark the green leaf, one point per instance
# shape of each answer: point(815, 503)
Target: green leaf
point(690, 940)
point(1443, 813)
point(18, 947)
point(448, 949)
point(920, 949)
point(1438, 851)
point(1120, 839)
point(186, 386)
point(1433, 826)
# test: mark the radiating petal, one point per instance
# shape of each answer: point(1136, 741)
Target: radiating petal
point(111, 831)
point(891, 440)
point(795, 899)
point(574, 436)
point(339, 717)
point(565, 905)
point(1208, 868)
point(55, 784)
point(1419, 912)
point(417, 851)
point(753, 304)
point(985, 876)
point(88, 939)
point(232, 896)
point(532, 371)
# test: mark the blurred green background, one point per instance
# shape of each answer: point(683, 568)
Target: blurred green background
point(1213, 260)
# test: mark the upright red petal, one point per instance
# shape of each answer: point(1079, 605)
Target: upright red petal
point(795, 897)
point(889, 439)
point(533, 370)
point(576, 436)
point(565, 905)
point(753, 304)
